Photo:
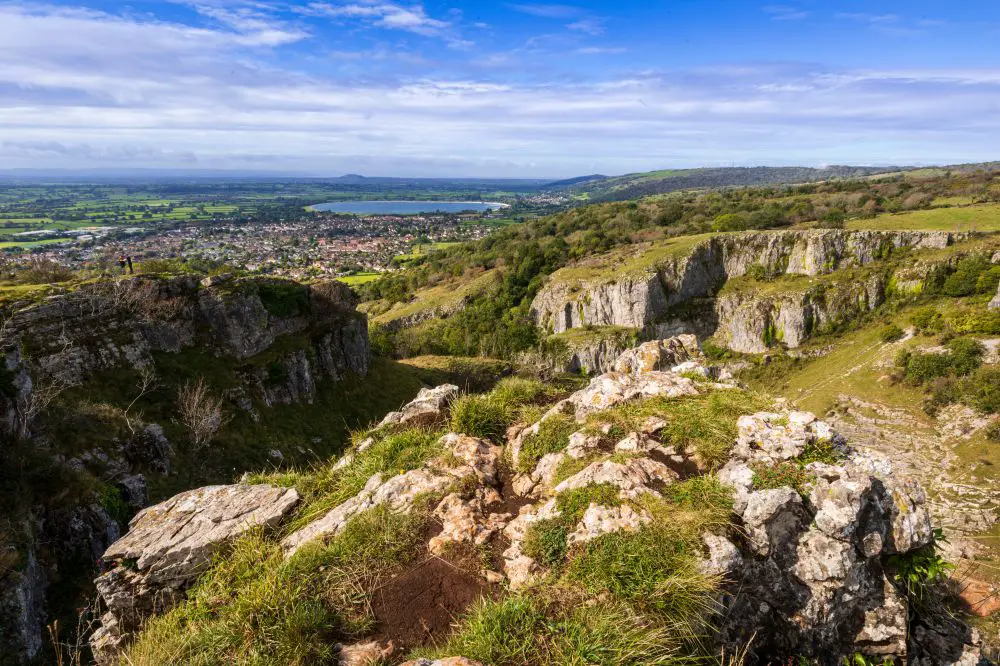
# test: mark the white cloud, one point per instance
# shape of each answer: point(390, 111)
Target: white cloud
point(601, 50)
point(589, 26)
point(385, 15)
point(547, 10)
point(79, 88)
point(785, 12)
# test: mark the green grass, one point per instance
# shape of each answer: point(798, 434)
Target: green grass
point(967, 218)
point(254, 608)
point(31, 244)
point(552, 437)
point(441, 296)
point(488, 416)
point(705, 424)
point(359, 278)
point(629, 260)
point(85, 417)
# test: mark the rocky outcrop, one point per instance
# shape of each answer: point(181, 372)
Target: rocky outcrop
point(467, 457)
point(427, 408)
point(122, 323)
point(995, 303)
point(643, 297)
point(169, 545)
point(753, 323)
point(805, 571)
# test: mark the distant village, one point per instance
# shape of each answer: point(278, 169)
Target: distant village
point(318, 245)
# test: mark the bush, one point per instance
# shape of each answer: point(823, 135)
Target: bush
point(922, 368)
point(965, 279)
point(890, 333)
point(966, 355)
point(926, 319)
point(982, 390)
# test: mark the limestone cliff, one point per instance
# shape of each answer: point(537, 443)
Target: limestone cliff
point(643, 287)
point(280, 340)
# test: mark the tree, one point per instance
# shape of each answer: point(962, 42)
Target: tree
point(200, 412)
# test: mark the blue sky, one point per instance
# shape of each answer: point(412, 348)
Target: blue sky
point(519, 89)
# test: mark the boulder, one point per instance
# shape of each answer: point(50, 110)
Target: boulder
point(995, 302)
point(658, 355)
point(169, 545)
point(427, 408)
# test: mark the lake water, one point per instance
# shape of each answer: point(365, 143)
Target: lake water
point(404, 207)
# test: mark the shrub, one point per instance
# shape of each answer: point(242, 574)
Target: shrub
point(964, 280)
point(966, 355)
point(921, 368)
point(890, 333)
point(982, 390)
point(917, 572)
point(926, 318)
point(757, 272)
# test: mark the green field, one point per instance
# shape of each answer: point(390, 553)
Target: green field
point(30, 244)
point(360, 278)
point(966, 218)
point(421, 249)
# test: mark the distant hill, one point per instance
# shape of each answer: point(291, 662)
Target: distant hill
point(636, 185)
point(575, 181)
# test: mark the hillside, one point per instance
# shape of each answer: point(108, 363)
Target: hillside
point(612, 494)
point(636, 185)
point(117, 393)
point(668, 430)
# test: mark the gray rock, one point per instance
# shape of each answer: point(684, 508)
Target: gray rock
point(640, 299)
point(169, 545)
point(428, 407)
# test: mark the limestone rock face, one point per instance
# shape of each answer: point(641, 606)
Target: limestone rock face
point(816, 579)
point(428, 407)
point(123, 322)
point(641, 299)
point(168, 545)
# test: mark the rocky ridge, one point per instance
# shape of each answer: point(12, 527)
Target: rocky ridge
point(647, 296)
point(805, 570)
point(308, 334)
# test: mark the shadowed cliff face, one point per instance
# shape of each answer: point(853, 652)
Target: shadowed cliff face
point(641, 292)
point(70, 489)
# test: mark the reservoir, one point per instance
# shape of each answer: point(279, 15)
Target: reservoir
point(405, 207)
